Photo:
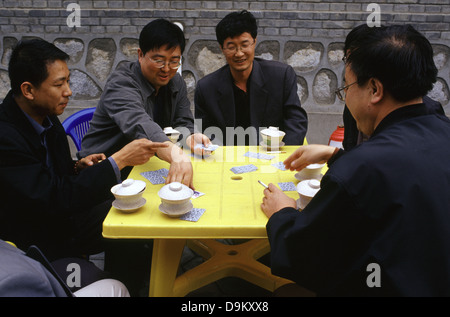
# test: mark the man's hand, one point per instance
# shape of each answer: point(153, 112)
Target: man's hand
point(180, 168)
point(137, 152)
point(89, 161)
point(274, 200)
point(198, 138)
point(308, 154)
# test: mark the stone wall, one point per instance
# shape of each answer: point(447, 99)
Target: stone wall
point(309, 35)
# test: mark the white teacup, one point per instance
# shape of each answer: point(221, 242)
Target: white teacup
point(306, 190)
point(312, 171)
point(272, 137)
point(175, 199)
point(172, 134)
point(129, 193)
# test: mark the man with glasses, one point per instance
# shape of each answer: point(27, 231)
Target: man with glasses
point(248, 93)
point(142, 97)
point(379, 225)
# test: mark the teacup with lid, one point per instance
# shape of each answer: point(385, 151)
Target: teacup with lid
point(175, 199)
point(272, 138)
point(172, 134)
point(306, 190)
point(311, 171)
point(128, 194)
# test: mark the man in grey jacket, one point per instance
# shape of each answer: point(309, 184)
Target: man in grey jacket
point(30, 274)
point(141, 98)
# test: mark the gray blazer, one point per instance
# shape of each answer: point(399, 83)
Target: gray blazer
point(23, 276)
point(273, 101)
point(124, 112)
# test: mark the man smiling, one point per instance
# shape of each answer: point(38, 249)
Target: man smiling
point(248, 92)
point(47, 200)
point(142, 97)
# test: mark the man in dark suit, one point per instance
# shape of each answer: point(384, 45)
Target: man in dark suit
point(47, 199)
point(379, 224)
point(248, 93)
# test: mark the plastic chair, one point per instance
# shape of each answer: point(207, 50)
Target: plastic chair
point(77, 125)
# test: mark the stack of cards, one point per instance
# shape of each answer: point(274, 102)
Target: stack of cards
point(156, 177)
point(243, 169)
point(260, 156)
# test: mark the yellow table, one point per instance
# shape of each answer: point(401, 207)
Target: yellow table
point(232, 203)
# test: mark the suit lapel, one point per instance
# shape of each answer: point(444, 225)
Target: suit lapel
point(258, 96)
point(225, 99)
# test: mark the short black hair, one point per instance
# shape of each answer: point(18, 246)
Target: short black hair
point(397, 55)
point(234, 24)
point(159, 33)
point(29, 60)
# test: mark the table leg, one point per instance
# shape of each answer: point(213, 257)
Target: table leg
point(165, 262)
point(228, 260)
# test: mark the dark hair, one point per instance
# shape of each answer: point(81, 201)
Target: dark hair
point(397, 55)
point(234, 24)
point(159, 33)
point(29, 60)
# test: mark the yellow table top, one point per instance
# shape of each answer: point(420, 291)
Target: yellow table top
point(232, 205)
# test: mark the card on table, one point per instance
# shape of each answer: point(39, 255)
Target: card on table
point(193, 215)
point(156, 177)
point(197, 194)
point(280, 166)
point(243, 169)
point(260, 156)
point(287, 186)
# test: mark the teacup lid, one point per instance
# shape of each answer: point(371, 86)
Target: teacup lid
point(175, 191)
point(308, 187)
point(170, 130)
point(315, 166)
point(272, 131)
point(129, 187)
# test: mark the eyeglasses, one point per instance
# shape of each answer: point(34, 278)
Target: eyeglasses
point(340, 92)
point(232, 49)
point(160, 63)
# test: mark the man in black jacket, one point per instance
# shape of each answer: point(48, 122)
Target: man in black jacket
point(379, 224)
point(248, 94)
point(46, 198)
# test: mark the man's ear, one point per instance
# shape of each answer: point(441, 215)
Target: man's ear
point(377, 90)
point(27, 89)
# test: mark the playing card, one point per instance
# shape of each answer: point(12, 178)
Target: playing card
point(162, 171)
point(243, 169)
point(156, 177)
point(193, 215)
point(288, 186)
point(197, 194)
point(280, 165)
point(260, 156)
point(211, 147)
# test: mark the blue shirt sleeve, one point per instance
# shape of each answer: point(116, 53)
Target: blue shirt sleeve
point(116, 169)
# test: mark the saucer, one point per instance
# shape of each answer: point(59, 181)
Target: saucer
point(302, 178)
point(269, 148)
point(120, 207)
point(179, 213)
